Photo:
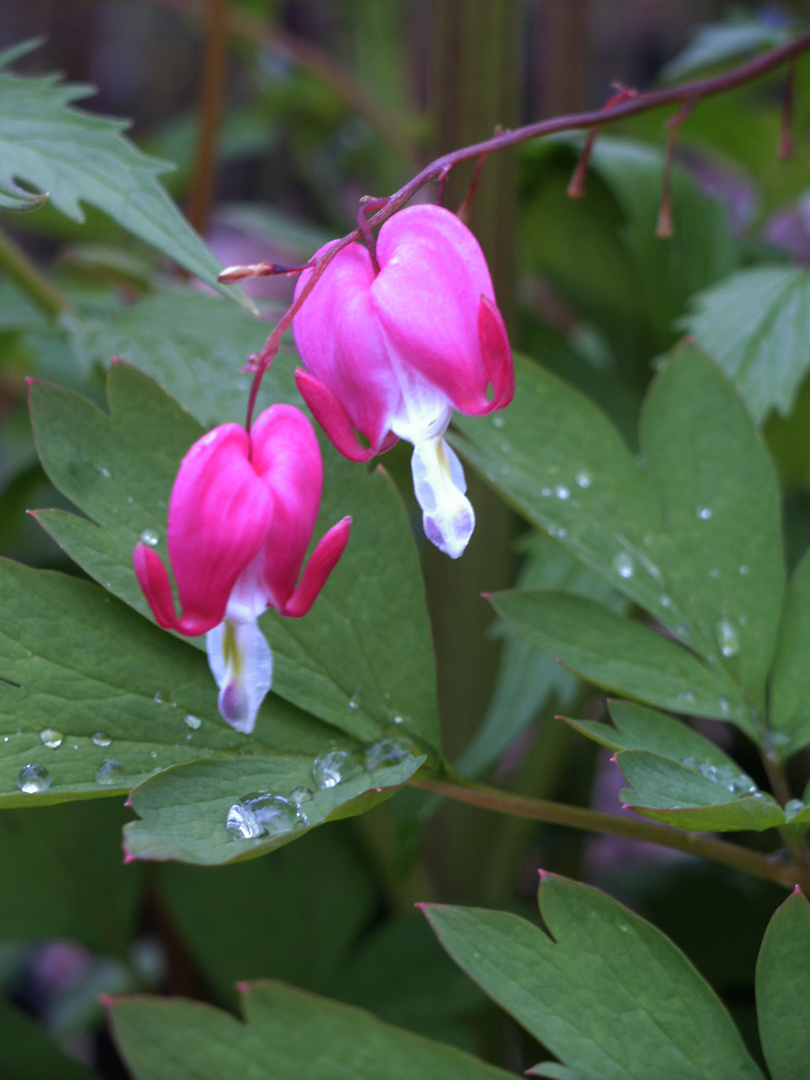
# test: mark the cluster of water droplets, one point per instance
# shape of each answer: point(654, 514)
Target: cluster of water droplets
point(266, 813)
point(726, 776)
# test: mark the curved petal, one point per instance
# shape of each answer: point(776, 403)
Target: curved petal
point(333, 418)
point(321, 563)
point(219, 515)
point(341, 344)
point(427, 297)
point(497, 357)
point(287, 457)
point(439, 485)
point(242, 665)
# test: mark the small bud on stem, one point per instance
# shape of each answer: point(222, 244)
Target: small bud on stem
point(664, 228)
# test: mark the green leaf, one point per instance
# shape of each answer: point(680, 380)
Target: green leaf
point(183, 811)
point(693, 536)
point(620, 655)
point(783, 989)
point(77, 157)
point(723, 43)
point(789, 712)
point(76, 663)
point(678, 776)
point(756, 324)
point(63, 876)
point(29, 1054)
point(193, 345)
point(638, 728)
point(310, 932)
point(695, 795)
point(604, 990)
point(718, 493)
point(362, 659)
point(288, 1034)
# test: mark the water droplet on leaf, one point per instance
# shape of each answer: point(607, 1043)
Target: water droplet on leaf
point(583, 479)
point(33, 778)
point(51, 738)
point(562, 492)
point(387, 752)
point(705, 513)
point(623, 565)
point(150, 538)
point(100, 739)
point(261, 814)
point(109, 772)
point(333, 767)
point(193, 722)
point(728, 638)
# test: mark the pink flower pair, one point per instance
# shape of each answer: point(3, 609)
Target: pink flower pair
point(388, 354)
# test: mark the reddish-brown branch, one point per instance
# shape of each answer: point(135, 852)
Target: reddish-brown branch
point(687, 94)
point(210, 112)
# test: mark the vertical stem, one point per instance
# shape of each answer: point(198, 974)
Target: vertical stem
point(475, 88)
point(20, 269)
point(794, 844)
point(210, 107)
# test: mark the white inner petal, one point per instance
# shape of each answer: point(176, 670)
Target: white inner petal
point(439, 486)
point(242, 665)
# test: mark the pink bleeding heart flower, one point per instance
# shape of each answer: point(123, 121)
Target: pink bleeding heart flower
point(391, 354)
point(241, 516)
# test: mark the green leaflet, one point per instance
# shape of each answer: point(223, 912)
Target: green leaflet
point(604, 990)
point(287, 1034)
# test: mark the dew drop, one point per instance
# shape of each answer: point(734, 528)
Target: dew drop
point(705, 513)
point(105, 472)
point(687, 697)
point(150, 538)
point(499, 421)
point(745, 571)
point(300, 795)
point(583, 479)
point(666, 601)
point(506, 448)
point(398, 719)
point(33, 778)
point(792, 808)
point(333, 767)
point(623, 565)
point(100, 739)
point(240, 823)
point(725, 705)
point(714, 573)
point(562, 492)
point(51, 738)
point(261, 814)
point(193, 722)
point(130, 500)
point(354, 700)
point(387, 752)
point(153, 755)
point(545, 492)
point(109, 772)
point(727, 638)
